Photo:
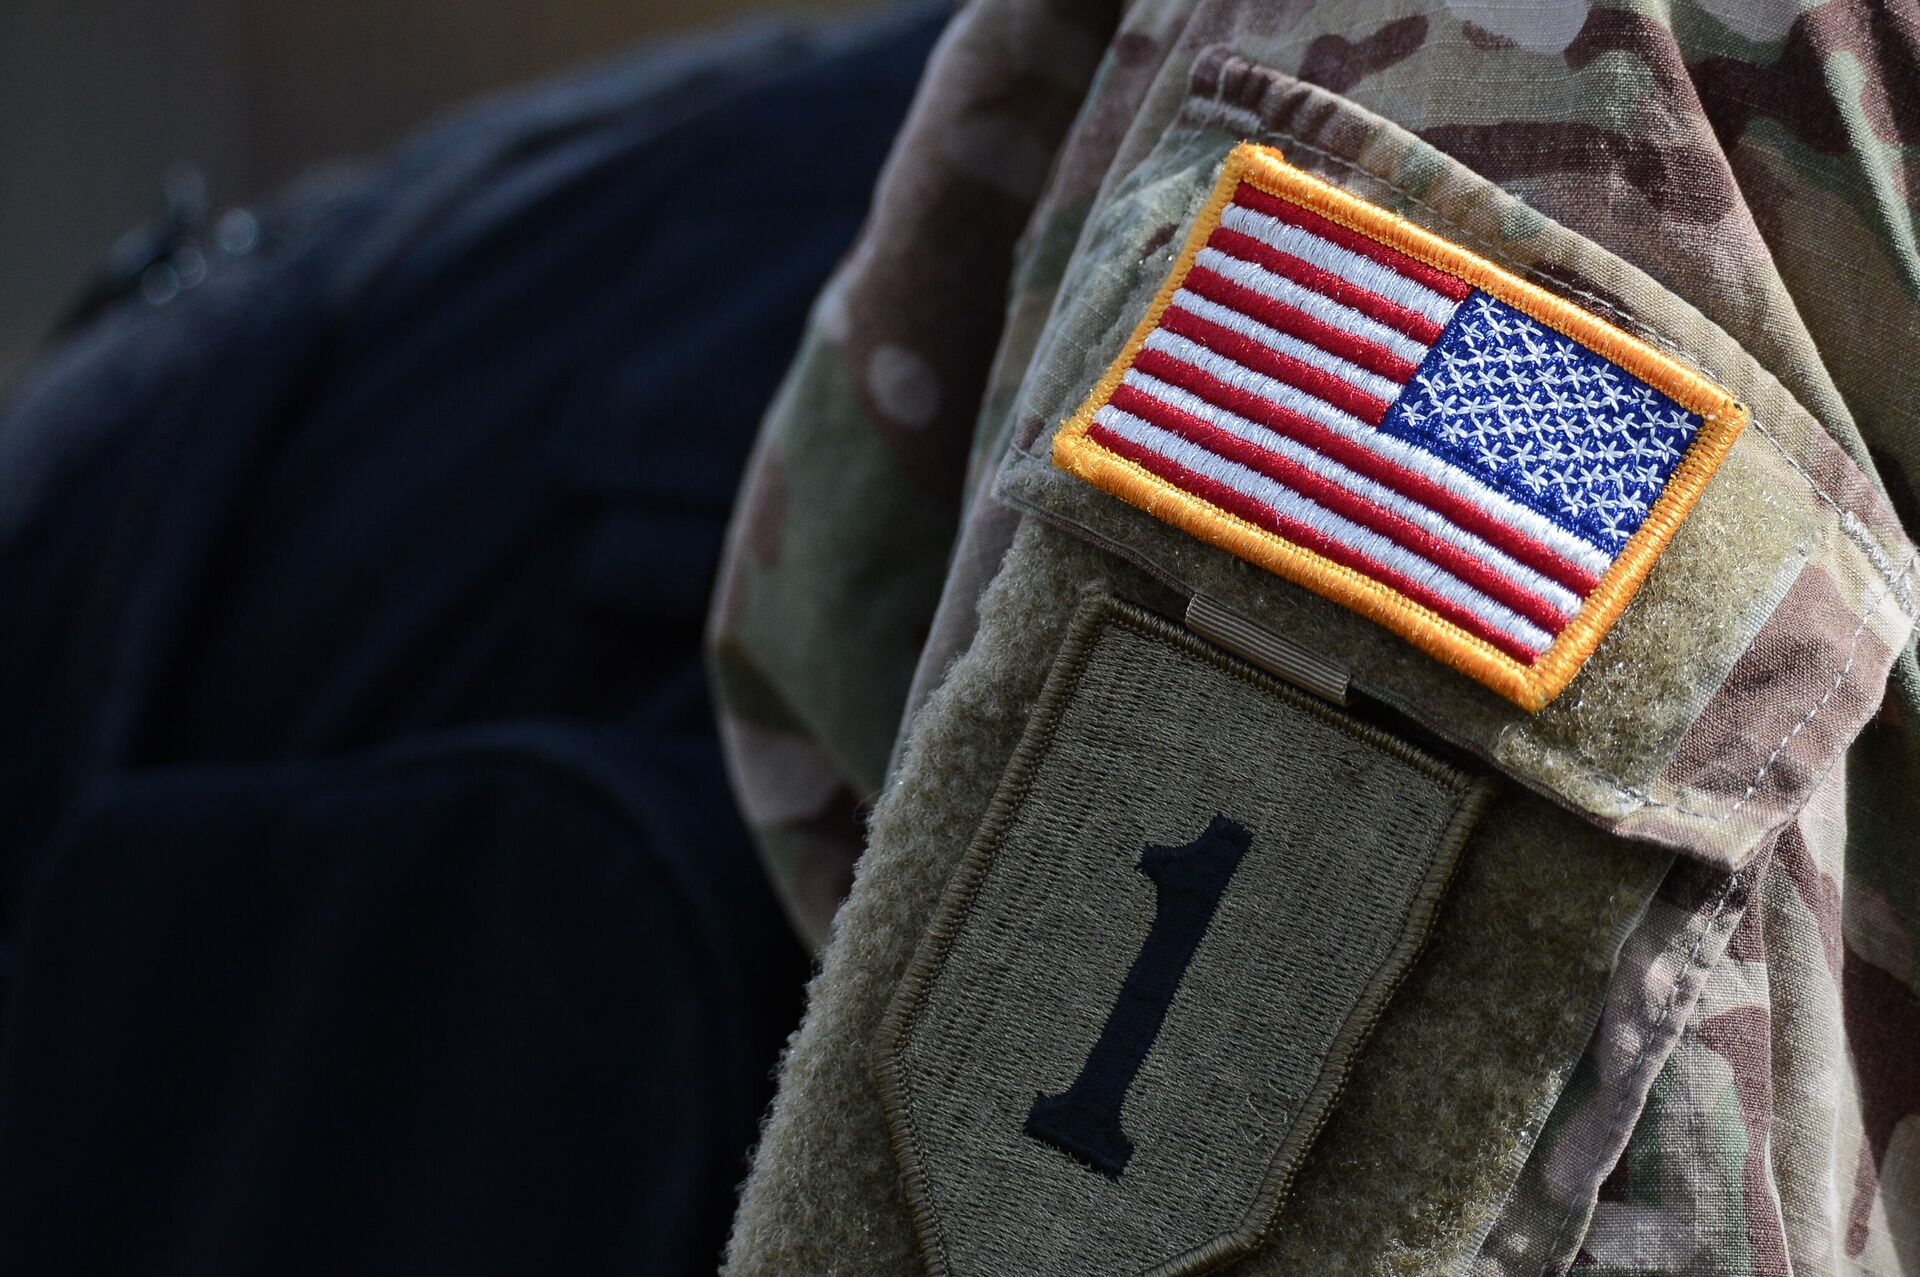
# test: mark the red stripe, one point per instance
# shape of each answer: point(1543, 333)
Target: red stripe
point(1295, 322)
point(1307, 275)
point(1251, 354)
point(1265, 516)
point(1392, 258)
point(1396, 528)
point(1410, 483)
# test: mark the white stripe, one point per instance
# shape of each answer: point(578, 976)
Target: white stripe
point(1307, 405)
point(1466, 486)
point(1356, 269)
point(1305, 351)
point(1279, 497)
point(1319, 305)
point(1555, 595)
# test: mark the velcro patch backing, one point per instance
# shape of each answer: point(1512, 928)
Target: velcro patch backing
point(1368, 409)
point(1191, 899)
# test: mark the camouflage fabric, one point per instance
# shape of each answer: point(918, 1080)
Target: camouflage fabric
point(819, 620)
point(1747, 1102)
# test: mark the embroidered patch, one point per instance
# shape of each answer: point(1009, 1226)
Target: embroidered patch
point(1360, 406)
point(1138, 1001)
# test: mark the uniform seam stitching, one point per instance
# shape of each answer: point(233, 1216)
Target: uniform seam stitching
point(1806, 720)
point(1890, 582)
point(1614, 1123)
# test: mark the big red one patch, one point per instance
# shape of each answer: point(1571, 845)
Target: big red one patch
point(1187, 907)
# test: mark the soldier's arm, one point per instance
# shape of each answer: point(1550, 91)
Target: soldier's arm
point(1362, 562)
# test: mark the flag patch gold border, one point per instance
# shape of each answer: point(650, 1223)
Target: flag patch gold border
point(1530, 686)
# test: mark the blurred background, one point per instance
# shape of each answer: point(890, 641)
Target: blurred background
point(375, 382)
point(102, 100)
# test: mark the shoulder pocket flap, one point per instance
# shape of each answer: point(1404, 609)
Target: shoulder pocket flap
point(1500, 478)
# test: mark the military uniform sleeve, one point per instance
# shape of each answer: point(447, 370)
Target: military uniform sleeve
point(1413, 767)
point(848, 513)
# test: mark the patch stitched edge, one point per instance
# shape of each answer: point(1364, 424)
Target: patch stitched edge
point(1529, 686)
point(955, 908)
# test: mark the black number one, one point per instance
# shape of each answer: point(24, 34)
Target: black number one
point(1189, 881)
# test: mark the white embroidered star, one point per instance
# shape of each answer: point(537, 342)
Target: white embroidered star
point(1547, 420)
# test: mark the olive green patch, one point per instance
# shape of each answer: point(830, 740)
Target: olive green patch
point(1146, 737)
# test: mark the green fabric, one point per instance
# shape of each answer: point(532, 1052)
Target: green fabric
point(1142, 736)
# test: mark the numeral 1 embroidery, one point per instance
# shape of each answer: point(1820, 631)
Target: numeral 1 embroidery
point(1189, 881)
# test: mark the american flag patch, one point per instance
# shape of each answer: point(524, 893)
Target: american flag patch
point(1368, 409)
